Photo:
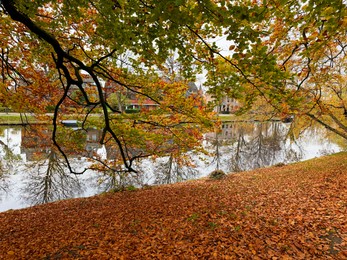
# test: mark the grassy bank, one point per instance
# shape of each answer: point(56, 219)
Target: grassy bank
point(16, 119)
point(291, 212)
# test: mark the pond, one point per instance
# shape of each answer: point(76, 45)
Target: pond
point(31, 173)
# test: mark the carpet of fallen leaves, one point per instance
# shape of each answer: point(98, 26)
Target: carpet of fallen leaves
point(296, 211)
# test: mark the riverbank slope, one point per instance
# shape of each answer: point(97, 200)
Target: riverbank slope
point(296, 211)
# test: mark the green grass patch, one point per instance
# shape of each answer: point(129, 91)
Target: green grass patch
point(12, 118)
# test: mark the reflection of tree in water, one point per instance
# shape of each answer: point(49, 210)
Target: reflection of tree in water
point(217, 144)
point(165, 170)
point(8, 161)
point(111, 175)
point(244, 146)
point(173, 169)
point(162, 170)
point(112, 180)
point(3, 180)
point(265, 147)
point(50, 180)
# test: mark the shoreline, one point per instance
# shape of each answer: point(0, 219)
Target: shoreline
point(14, 118)
point(296, 211)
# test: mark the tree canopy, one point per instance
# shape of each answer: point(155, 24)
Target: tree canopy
point(289, 55)
point(295, 64)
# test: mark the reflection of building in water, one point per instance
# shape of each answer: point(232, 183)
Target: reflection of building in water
point(36, 142)
point(92, 140)
point(111, 152)
point(229, 130)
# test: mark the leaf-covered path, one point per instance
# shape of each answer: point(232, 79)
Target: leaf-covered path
point(297, 211)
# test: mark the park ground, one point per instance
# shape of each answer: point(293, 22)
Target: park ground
point(296, 211)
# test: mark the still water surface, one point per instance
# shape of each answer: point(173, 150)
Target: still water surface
point(25, 180)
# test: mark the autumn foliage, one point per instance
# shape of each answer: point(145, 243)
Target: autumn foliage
point(290, 212)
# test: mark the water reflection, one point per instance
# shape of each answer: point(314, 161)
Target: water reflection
point(32, 171)
point(173, 168)
point(8, 158)
point(49, 180)
point(241, 146)
point(111, 180)
point(37, 144)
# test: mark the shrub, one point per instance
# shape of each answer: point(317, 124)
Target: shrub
point(217, 175)
point(130, 188)
point(4, 109)
point(132, 111)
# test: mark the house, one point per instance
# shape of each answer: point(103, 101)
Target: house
point(128, 101)
point(225, 105)
point(124, 99)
